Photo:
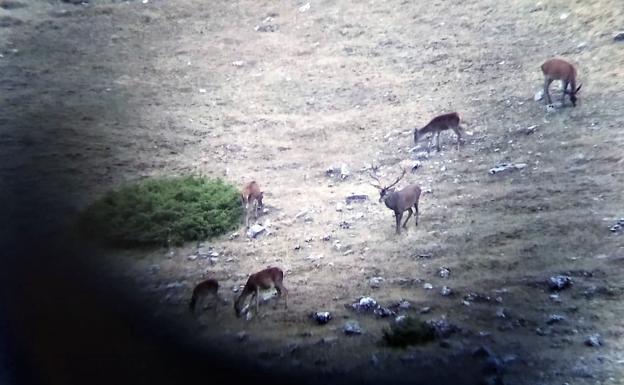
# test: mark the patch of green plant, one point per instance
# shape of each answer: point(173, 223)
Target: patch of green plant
point(410, 331)
point(164, 211)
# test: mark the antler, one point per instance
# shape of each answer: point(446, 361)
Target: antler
point(374, 176)
point(399, 178)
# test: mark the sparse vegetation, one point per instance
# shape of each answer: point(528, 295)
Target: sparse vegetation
point(164, 210)
point(410, 331)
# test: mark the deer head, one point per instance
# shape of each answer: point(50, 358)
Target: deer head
point(573, 94)
point(383, 191)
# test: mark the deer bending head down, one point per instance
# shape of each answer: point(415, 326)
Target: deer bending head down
point(399, 201)
point(204, 288)
point(251, 194)
point(559, 69)
point(268, 278)
point(439, 124)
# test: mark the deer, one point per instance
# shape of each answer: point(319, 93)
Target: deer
point(559, 69)
point(399, 201)
point(271, 277)
point(439, 124)
point(208, 287)
point(251, 194)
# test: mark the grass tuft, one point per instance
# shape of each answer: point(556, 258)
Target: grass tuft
point(410, 331)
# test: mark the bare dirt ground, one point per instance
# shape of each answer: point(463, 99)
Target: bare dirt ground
point(114, 92)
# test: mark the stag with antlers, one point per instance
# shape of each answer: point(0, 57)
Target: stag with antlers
point(399, 201)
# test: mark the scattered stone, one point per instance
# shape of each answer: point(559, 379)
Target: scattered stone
point(174, 285)
point(538, 95)
point(255, 230)
point(238, 63)
point(352, 327)
point(304, 7)
point(428, 286)
point(531, 129)
point(446, 291)
point(555, 298)
point(619, 36)
point(593, 340)
point(375, 282)
point(554, 318)
point(344, 172)
point(559, 282)
point(192, 257)
point(233, 235)
point(267, 28)
point(444, 272)
point(383, 312)
point(541, 332)
point(322, 317)
point(404, 304)
point(339, 207)
point(425, 310)
point(365, 304)
point(400, 319)
point(506, 167)
point(301, 214)
point(356, 198)
point(443, 329)
point(476, 297)
point(500, 313)
point(328, 340)
point(313, 257)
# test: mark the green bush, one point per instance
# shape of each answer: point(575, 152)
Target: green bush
point(410, 331)
point(164, 210)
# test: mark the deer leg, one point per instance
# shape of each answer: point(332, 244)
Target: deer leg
point(459, 137)
point(416, 214)
point(547, 81)
point(257, 295)
point(429, 144)
point(438, 141)
point(282, 290)
point(409, 215)
point(398, 217)
point(565, 91)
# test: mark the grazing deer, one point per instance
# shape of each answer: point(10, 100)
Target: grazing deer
point(559, 69)
point(251, 194)
point(268, 278)
point(399, 201)
point(209, 286)
point(439, 124)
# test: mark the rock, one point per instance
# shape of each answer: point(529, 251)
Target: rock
point(538, 95)
point(593, 340)
point(619, 36)
point(339, 207)
point(322, 317)
point(531, 129)
point(301, 214)
point(506, 167)
point(500, 313)
point(427, 286)
point(356, 198)
point(541, 332)
point(174, 285)
point(192, 257)
point(404, 304)
point(344, 172)
point(328, 340)
point(267, 28)
point(476, 297)
point(446, 291)
point(352, 327)
point(444, 272)
point(425, 309)
point(255, 230)
point(400, 319)
point(615, 228)
point(238, 63)
point(443, 329)
point(554, 318)
point(365, 304)
point(555, 297)
point(564, 16)
point(383, 312)
point(242, 335)
point(233, 235)
point(375, 282)
point(559, 282)
point(313, 257)
point(75, 2)
point(304, 7)
point(482, 351)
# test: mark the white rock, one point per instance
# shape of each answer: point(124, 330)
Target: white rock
point(304, 7)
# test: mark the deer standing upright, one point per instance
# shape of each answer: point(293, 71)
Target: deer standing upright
point(399, 201)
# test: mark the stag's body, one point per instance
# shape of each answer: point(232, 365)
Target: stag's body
point(251, 194)
point(559, 69)
point(439, 124)
point(400, 201)
point(268, 278)
point(207, 287)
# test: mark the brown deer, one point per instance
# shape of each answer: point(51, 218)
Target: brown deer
point(207, 287)
point(268, 278)
point(399, 201)
point(439, 124)
point(251, 194)
point(559, 69)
